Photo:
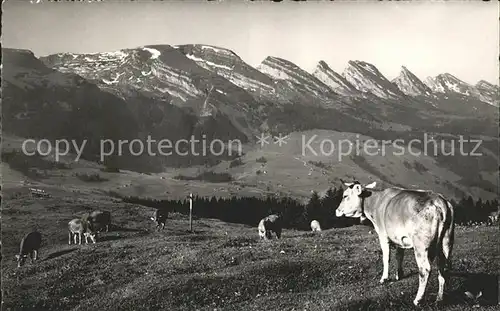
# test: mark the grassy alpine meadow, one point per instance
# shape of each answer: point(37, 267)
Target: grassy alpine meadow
point(221, 266)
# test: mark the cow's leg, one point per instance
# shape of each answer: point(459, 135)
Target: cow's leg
point(424, 269)
point(447, 245)
point(69, 238)
point(384, 244)
point(442, 274)
point(107, 228)
point(278, 233)
point(79, 238)
point(35, 254)
point(400, 252)
point(444, 262)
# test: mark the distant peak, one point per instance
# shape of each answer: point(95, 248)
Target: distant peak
point(206, 47)
point(410, 84)
point(271, 58)
point(14, 50)
point(322, 64)
point(274, 59)
point(447, 76)
point(406, 72)
point(367, 78)
point(359, 62)
point(485, 83)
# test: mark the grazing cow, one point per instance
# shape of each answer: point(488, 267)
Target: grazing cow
point(493, 218)
point(99, 220)
point(79, 227)
point(422, 220)
point(270, 224)
point(315, 226)
point(160, 216)
point(30, 244)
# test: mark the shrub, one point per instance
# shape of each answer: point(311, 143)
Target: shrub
point(90, 177)
point(236, 162)
point(419, 167)
point(110, 169)
point(318, 164)
point(261, 160)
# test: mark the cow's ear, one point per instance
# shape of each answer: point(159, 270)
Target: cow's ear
point(357, 189)
point(348, 184)
point(371, 186)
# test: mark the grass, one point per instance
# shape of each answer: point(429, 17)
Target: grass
point(220, 266)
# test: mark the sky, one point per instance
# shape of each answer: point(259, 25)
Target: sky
point(429, 38)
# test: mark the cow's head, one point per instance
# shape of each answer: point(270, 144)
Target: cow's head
point(352, 199)
point(20, 260)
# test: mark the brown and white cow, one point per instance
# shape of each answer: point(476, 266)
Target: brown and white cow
point(315, 226)
point(422, 220)
point(99, 220)
point(79, 227)
point(160, 217)
point(270, 224)
point(30, 244)
point(493, 218)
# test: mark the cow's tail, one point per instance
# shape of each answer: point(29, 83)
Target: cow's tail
point(446, 231)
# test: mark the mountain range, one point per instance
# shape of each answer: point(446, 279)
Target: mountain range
point(169, 91)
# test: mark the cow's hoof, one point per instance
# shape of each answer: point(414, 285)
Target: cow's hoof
point(439, 302)
point(416, 302)
point(384, 280)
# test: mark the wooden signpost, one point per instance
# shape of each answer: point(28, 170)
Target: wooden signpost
point(190, 197)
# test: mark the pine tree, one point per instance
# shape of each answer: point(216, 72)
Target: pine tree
point(313, 208)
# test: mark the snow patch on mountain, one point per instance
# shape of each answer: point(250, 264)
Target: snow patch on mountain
point(447, 83)
point(490, 92)
point(221, 91)
point(209, 63)
point(154, 52)
point(114, 81)
point(217, 50)
point(230, 66)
